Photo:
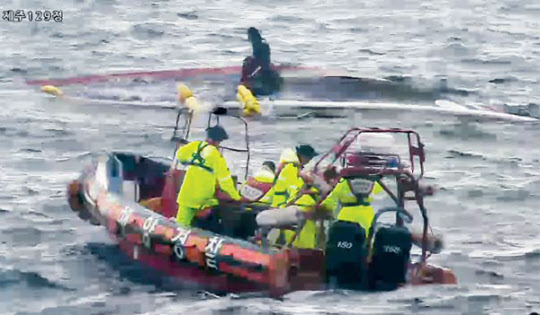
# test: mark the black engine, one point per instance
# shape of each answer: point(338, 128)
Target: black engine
point(346, 255)
point(390, 257)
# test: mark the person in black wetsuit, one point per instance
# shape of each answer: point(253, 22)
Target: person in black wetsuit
point(261, 49)
point(257, 71)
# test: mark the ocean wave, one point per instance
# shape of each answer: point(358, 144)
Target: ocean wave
point(508, 254)
point(467, 155)
point(148, 30)
point(11, 277)
point(192, 15)
point(467, 131)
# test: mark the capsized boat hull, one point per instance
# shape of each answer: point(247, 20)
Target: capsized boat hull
point(306, 91)
point(103, 195)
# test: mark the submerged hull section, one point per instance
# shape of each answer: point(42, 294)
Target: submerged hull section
point(345, 108)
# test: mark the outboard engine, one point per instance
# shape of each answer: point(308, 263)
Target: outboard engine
point(346, 255)
point(390, 257)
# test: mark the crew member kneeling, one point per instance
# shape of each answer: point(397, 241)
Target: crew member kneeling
point(205, 167)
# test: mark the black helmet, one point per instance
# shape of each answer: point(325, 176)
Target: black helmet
point(306, 150)
point(217, 133)
point(271, 165)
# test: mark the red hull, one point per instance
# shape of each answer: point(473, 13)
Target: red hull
point(163, 74)
point(188, 275)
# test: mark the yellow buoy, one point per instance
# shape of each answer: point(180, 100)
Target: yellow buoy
point(52, 90)
point(184, 93)
point(186, 98)
point(250, 104)
point(192, 103)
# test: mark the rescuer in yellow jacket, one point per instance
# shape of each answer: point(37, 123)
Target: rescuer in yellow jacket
point(206, 167)
point(355, 205)
point(288, 181)
point(307, 237)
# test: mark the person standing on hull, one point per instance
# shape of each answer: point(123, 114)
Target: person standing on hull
point(257, 73)
point(206, 167)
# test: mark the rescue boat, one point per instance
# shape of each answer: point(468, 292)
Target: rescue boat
point(134, 198)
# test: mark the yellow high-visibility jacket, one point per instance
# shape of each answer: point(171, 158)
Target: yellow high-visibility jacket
point(206, 167)
point(352, 209)
point(288, 181)
point(307, 238)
